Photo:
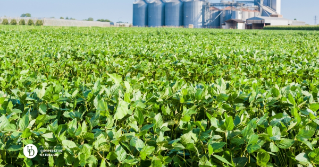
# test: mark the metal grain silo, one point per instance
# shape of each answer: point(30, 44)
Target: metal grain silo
point(236, 14)
point(140, 13)
point(193, 13)
point(215, 19)
point(174, 13)
point(226, 15)
point(156, 15)
point(275, 5)
point(245, 15)
point(251, 14)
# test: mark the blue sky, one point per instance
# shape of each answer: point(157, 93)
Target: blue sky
point(121, 10)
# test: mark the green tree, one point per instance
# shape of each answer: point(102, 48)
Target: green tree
point(67, 18)
point(22, 22)
point(61, 17)
point(104, 20)
point(90, 19)
point(13, 22)
point(30, 22)
point(26, 15)
point(5, 22)
point(39, 23)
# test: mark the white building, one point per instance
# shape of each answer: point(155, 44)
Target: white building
point(234, 24)
point(260, 22)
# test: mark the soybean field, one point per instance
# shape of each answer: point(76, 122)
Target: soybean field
point(159, 97)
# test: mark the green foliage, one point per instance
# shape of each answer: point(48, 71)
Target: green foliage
point(159, 97)
point(30, 22)
point(90, 19)
point(13, 22)
point(61, 17)
point(39, 23)
point(316, 28)
point(21, 22)
point(5, 22)
point(26, 15)
point(103, 20)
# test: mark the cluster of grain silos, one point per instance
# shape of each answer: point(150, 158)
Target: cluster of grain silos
point(157, 13)
point(198, 13)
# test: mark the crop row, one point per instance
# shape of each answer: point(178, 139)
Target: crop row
point(292, 28)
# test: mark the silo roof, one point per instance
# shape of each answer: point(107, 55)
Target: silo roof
point(213, 8)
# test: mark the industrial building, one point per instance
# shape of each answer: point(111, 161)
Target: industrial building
point(203, 14)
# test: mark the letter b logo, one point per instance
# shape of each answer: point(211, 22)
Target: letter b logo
point(30, 151)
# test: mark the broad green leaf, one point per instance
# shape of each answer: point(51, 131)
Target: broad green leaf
point(13, 148)
point(303, 159)
point(139, 117)
point(187, 138)
point(158, 120)
point(237, 120)
point(122, 110)
point(229, 123)
point(253, 139)
point(137, 143)
point(262, 158)
point(24, 122)
point(314, 107)
point(68, 144)
point(147, 127)
point(217, 146)
point(285, 143)
point(116, 78)
point(23, 72)
point(156, 162)
point(26, 133)
point(43, 108)
point(146, 151)
point(291, 99)
point(252, 148)
point(204, 162)
point(4, 122)
point(222, 159)
point(273, 147)
point(314, 156)
point(306, 133)
point(121, 153)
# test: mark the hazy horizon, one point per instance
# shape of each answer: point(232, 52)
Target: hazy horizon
point(122, 10)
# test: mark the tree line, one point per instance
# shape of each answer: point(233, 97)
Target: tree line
point(22, 22)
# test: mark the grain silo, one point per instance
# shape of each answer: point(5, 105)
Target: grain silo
point(174, 13)
point(156, 13)
point(225, 15)
point(275, 5)
point(251, 14)
point(215, 23)
point(193, 13)
point(140, 13)
point(236, 14)
point(245, 15)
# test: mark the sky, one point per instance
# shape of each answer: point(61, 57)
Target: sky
point(121, 10)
